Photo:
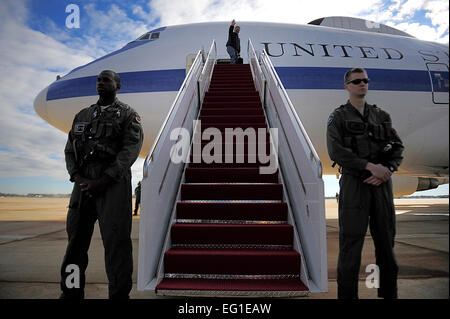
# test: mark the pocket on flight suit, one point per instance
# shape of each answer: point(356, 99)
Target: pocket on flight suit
point(353, 219)
point(362, 144)
point(112, 129)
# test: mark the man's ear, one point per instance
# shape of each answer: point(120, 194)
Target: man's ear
point(118, 86)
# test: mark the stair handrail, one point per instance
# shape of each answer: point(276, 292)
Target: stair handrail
point(258, 75)
point(313, 154)
point(151, 153)
point(206, 75)
point(300, 171)
point(158, 197)
point(183, 85)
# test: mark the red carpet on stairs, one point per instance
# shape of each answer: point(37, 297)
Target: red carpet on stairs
point(231, 237)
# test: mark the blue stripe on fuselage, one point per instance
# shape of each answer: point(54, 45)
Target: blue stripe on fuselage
point(315, 78)
point(132, 82)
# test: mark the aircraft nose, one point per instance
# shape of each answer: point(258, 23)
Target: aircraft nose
point(40, 104)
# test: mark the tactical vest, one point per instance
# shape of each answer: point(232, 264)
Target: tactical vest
point(97, 136)
point(367, 137)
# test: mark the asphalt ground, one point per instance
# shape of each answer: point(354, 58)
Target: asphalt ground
point(33, 241)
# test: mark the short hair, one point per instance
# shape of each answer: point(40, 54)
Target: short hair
point(115, 75)
point(236, 26)
point(350, 72)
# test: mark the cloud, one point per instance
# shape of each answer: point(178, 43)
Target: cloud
point(402, 13)
point(29, 61)
point(396, 13)
point(437, 11)
point(112, 24)
point(421, 31)
point(289, 11)
point(30, 147)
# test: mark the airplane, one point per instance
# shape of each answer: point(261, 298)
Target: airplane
point(409, 79)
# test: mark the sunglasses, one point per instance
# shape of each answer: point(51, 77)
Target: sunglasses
point(357, 81)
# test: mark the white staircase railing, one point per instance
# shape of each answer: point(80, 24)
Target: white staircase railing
point(300, 168)
point(162, 176)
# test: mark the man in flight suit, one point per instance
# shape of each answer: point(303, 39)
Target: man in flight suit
point(360, 138)
point(104, 142)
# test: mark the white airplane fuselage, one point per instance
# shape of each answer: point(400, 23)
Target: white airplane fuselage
point(409, 79)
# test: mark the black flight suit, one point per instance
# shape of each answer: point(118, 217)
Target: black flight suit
point(102, 142)
point(353, 140)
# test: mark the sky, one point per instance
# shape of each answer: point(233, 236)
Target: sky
point(37, 44)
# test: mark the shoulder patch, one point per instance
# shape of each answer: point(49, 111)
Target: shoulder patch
point(330, 119)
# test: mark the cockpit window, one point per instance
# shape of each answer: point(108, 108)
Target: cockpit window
point(148, 35)
point(144, 36)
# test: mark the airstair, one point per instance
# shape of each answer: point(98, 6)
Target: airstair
point(232, 195)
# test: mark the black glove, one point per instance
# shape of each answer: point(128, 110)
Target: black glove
point(95, 186)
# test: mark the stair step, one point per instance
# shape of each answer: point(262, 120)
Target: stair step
point(227, 165)
point(232, 70)
point(218, 175)
point(232, 261)
point(225, 140)
point(233, 75)
point(221, 86)
point(232, 234)
point(231, 111)
point(232, 118)
point(223, 126)
point(234, 98)
point(242, 77)
point(231, 66)
point(238, 91)
point(232, 104)
point(232, 81)
point(232, 191)
point(231, 159)
point(232, 211)
point(225, 92)
point(231, 288)
point(235, 146)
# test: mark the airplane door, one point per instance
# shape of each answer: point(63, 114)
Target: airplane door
point(439, 82)
point(190, 58)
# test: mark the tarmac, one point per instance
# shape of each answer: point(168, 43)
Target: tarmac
point(33, 241)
